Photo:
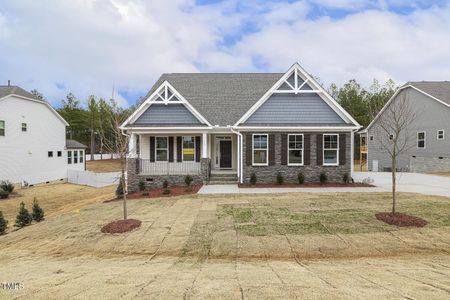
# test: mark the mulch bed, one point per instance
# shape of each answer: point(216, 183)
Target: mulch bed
point(401, 220)
point(121, 226)
point(305, 185)
point(159, 192)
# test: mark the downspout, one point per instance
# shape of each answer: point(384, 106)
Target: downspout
point(240, 161)
point(352, 153)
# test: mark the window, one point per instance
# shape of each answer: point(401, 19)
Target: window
point(2, 128)
point(391, 137)
point(295, 149)
point(330, 149)
point(50, 154)
point(440, 134)
point(188, 148)
point(69, 157)
point(24, 127)
point(421, 139)
point(59, 153)
point(260, 149)
point(161, 148)
point(371, 138)
point(75, 157)
point(81, 156)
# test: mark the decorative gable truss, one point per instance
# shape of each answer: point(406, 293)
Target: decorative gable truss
point(166, 94)
point(297, 81)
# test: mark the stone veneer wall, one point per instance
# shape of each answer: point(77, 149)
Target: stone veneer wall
point(133, 177)
point(420, 164)
point(268, 174)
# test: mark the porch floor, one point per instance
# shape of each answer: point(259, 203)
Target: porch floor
point(213, 171)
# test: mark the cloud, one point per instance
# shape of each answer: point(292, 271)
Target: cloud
point(87, 46)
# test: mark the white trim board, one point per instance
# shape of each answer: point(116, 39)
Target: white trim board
point(155, 98)
point(297, 70)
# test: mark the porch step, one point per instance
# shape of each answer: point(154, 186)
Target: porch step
point(222, 182)
point(223, 179)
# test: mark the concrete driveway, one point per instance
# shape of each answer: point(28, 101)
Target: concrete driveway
point(409, 182)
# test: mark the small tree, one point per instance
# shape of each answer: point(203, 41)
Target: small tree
point(253, 178)
point(23, 217)
point(393, 134)
point(7, 186)
point(141, 185)
point(166, 187)
point(301, 178)
point(3, 194)
point(280, 178)
point(323, 178)
point(120, 190)
point(188, 180)
point(345, 178)
point(3, 224)
point(37, 212)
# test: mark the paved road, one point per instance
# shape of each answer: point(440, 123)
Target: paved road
point(409, 182)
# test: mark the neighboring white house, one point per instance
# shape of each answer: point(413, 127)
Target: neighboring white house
point(32, 139)
point(76, 158)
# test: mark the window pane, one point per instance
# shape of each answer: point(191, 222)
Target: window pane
point(188, 142)
point(161, 155)
point(421, 144)
point(259, 142)
point(295, 156)
point(75, 157)
point(421, 135)
point(188, 148)
point(161, 142)
point(330, 141)
point(81, 156)
point(330, 156)
point(2, 128)
point(260, 156)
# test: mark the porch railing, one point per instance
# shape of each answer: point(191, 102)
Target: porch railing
point(146, 167)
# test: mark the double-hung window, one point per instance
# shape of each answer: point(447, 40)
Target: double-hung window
point(440, 134)
point(161, 148)
point(295, 149)
point(69, 157)
point(24, 127)
point(188, 148)
point(421, 139)
point(260, 149)
point(2, 128)
point(330, 149)
point(81, 156)
point(75, 157)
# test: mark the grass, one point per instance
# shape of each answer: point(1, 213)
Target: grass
point(55, 198)
point(103, 166)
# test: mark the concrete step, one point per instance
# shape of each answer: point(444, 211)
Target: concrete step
point(222, 182)
point(221, 178)
point(233, 175)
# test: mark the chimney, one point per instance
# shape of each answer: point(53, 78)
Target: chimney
point(9, 82)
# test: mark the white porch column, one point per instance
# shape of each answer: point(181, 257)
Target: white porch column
point(132, 146)
point(204, 145)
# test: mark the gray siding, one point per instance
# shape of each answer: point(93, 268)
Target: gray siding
point(431, 117)
point(167, 114)
point(295, 109)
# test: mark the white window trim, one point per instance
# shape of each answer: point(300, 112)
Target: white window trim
point(443, 135)
point(80, 156)
point(167, 149)
point(4, 127)
point(253, 150)
point(75, 156)
point(182, 148)
point(69, 155)
point(424, 140)
point(323, 150)
point(303, 150)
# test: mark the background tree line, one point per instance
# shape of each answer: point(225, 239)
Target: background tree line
point(91, 124)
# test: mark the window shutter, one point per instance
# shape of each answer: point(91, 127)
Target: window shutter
point(152, 149)
point(307, 149)
point(170, 148)
point(271, 149)
point(342, 146)
point(248, 149)
point(319, 141)
point(179, 148)
point(197, 148)
point(284, 147)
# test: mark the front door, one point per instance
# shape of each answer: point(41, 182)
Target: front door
point(225, 154)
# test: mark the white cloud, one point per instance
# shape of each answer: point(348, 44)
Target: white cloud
point(86, 46)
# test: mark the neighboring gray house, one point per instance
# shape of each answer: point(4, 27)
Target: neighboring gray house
point(430, 131)
point(224, 127)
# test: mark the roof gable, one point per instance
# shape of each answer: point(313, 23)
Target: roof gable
point(437, 89)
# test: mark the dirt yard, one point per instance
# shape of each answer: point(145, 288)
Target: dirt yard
point(103, 166)
point(236, 246)
point(445, 174)
point(55, 198)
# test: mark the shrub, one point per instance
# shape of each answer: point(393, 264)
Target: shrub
point(141, 185)
point(188, 180)
point(37, 212)
point(4, 194)
point(253, 178)
point(280, 178)
point(301, 178)
point(120, 191)
point(23, 217)
point(323, 177)
point(7, 186)
point(3, 224)
point(166, 190)
point(346, 178)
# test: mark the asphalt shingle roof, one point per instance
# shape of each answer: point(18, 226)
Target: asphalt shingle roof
point(438, 89)
point(6, 90)
point(222, 98)
point(72, 144)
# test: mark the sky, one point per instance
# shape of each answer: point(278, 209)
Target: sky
point(92, 47)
